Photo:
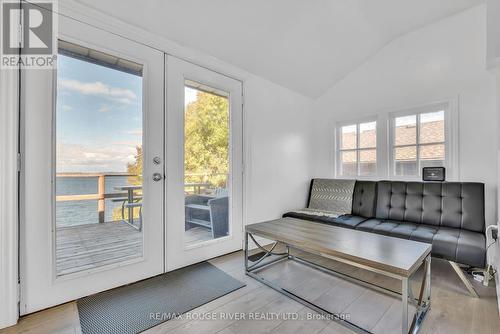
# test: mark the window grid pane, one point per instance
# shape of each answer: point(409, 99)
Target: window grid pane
point(405, 130)
point(348, 163)
point(368, 135)
point(367, 162)
point(405, 161)
point(432, 127)
point(419, 141)
point(357, 149)
point(348, 138)
point(432, 155)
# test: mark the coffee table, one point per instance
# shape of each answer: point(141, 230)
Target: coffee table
point(389, 256)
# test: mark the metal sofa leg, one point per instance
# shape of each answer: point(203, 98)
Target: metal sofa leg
point(464, 279)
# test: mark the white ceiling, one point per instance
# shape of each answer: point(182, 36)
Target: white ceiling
point(305, 45)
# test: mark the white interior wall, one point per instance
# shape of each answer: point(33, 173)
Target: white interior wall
point(497, 251)
point(278, 157)
point(444, 60)
point(493, 61)
point(493, 18)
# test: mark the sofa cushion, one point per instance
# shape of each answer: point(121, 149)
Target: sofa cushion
point(451, 204)
point(377, 226)
point(453, 244)
point(471, 248)
point(364, 199)
point(333, 195)
point(349, 221)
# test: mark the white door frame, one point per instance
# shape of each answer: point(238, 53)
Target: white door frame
point(9, 125)
point(177, 254)
point(40, 288)
point(8, 221)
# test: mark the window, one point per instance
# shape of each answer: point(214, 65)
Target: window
point(357, 153)
point(398, 145)
point(98, 159)
point(206, 163)
point(418, 140)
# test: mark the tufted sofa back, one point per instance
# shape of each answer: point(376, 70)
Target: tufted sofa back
point(451, 204)
point(364, 199)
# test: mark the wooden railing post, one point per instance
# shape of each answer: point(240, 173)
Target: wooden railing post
point(101, 202)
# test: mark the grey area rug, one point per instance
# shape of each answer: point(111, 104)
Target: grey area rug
point(136, 307)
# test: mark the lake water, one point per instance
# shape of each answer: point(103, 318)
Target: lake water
point(85, 212)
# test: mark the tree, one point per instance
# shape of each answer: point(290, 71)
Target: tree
point(206, 136)
point(135, 168)
point(206, 145)
point(206, 142)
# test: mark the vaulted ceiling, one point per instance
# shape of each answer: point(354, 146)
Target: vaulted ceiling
point(305, 45)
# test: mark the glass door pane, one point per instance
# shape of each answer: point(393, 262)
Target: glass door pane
point(206, 163)
point(203, 147)
point(98, 161)
point(93, 135)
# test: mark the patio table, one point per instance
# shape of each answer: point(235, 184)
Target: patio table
point(130, 199)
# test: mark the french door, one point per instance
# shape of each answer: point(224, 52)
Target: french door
point(132, 167)
point(204, 164)
point(93, 166)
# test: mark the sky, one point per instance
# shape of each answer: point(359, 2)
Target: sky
point(99, 116)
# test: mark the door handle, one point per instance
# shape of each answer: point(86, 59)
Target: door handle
point(157, 177)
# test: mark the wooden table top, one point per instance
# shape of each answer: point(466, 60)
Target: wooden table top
point(396, 256)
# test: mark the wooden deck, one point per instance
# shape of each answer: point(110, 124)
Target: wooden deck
point(90, 246)
point(196, 235)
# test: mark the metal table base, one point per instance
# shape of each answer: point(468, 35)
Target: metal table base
point(422, 303)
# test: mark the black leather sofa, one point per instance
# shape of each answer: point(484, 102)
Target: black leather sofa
point(448, 215)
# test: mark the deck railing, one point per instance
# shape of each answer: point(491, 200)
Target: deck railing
point(101, 194)
point(195, 182)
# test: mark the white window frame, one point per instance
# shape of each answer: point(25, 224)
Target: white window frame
point(339, 150)
point(450, 140)
point(385, 140)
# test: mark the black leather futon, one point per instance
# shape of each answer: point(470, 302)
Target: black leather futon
point(448, 215)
